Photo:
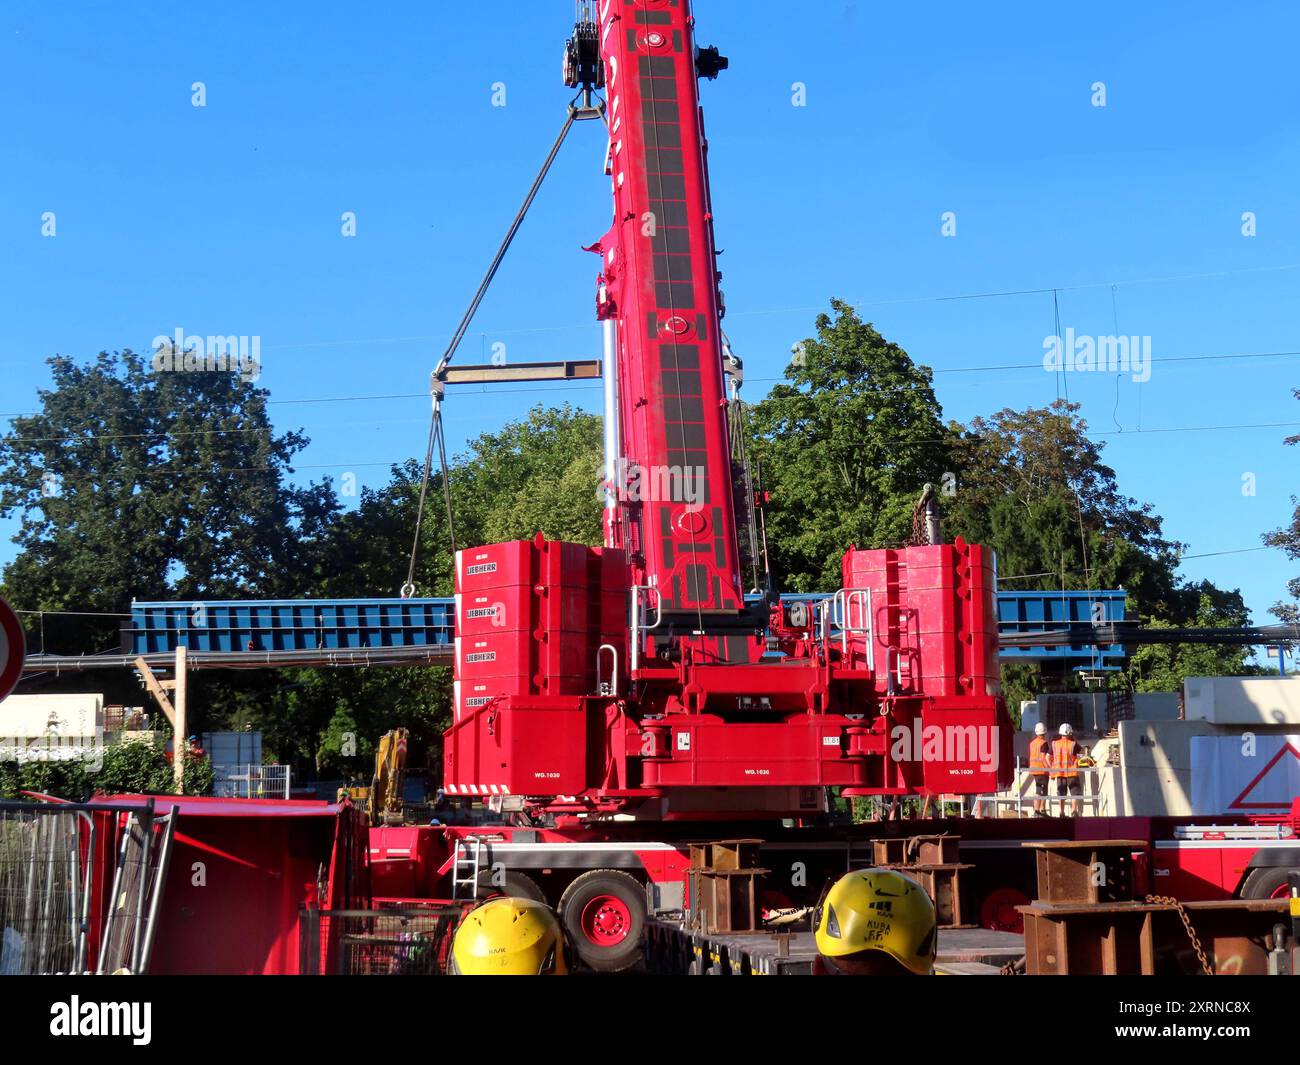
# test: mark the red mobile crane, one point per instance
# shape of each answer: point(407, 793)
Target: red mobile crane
point(639, 678)
point(636, 677)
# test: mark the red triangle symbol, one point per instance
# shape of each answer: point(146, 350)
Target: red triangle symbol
point(1240, 803)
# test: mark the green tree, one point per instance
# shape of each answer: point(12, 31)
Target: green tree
point(845, 443)
point(541, 473)
point(1163, 667)
point(63, 780)
point(131, 483)
point(135, 766)
point(1288, 539)
point(1033, 485)
point(366, 703)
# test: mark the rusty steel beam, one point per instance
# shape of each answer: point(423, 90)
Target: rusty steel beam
point(1151, 938)
point(1086, 870)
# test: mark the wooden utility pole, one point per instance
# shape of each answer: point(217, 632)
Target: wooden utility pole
point(181, 744)
point(158, 689)
point(174, 708)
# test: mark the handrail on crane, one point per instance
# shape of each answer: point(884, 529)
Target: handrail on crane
point(638, 626)
point(839, 608)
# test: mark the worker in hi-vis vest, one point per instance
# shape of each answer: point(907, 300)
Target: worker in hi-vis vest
point(1065, 767)
point(1040, 759)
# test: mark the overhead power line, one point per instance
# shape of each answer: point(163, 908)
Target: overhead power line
point(564, 387)
point(291, 467)
point(1180, 559)
point(951, 298)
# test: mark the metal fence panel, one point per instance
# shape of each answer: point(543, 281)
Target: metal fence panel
point(45, 884)
point(251, 781)
point(56, 862)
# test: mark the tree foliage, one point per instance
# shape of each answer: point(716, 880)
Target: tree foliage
point(541, 473)
point(136, 766)
point(1033, 485)
point(1288, 539)
point(846, 443)
point(1162, 667)
point(134, 484)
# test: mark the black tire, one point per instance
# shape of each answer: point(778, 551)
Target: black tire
point(514, 885)
point(627, 913)
point(1263, 883)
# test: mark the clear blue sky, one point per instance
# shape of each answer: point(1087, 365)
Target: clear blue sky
point(225, 219)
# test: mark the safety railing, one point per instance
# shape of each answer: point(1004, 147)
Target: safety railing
point(836, 622)
point(1023, 793)
point(638, 624)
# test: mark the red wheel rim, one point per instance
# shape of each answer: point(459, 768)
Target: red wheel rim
point(1282, 891)
point(606, 920)
point(999, 910)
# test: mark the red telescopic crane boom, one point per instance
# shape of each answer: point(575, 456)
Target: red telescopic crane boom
point(672, 482)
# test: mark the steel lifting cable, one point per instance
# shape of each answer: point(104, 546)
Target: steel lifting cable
point(436, 435)
point(509, 238)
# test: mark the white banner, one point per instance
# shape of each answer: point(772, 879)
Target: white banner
point(1246, 774)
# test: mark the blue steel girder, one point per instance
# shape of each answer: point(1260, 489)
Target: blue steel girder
point(352, 624)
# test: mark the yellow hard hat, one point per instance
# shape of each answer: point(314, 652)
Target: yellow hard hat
point(509, 937)
point(871, 913)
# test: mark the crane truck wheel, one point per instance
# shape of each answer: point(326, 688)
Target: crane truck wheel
point(603, 915)
point(1267, 883)
point(511, 885)
point(999, 911)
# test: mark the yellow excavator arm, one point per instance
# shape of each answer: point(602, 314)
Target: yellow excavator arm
point(383, 799)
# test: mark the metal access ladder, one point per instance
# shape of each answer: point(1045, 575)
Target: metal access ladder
point(467, 864)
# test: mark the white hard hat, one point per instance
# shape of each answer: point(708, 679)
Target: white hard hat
point(1040, 729)
point(1067, 729)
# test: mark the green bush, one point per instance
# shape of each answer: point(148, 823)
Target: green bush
point(137, 766)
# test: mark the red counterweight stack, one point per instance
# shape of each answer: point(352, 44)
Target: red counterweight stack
point(932, 623)
point(531, 619)
point(523, 623)
point(934, 644)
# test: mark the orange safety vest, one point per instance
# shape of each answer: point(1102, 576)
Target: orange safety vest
point(1065, 757)
point(1038, 762)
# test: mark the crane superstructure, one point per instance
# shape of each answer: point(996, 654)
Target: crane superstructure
point(639, 676)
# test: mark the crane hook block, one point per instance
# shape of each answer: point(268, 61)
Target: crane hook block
point(583, 66)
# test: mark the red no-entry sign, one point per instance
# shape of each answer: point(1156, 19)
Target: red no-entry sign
point(12, 649)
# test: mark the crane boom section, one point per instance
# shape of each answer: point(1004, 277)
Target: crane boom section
point(659, 283)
